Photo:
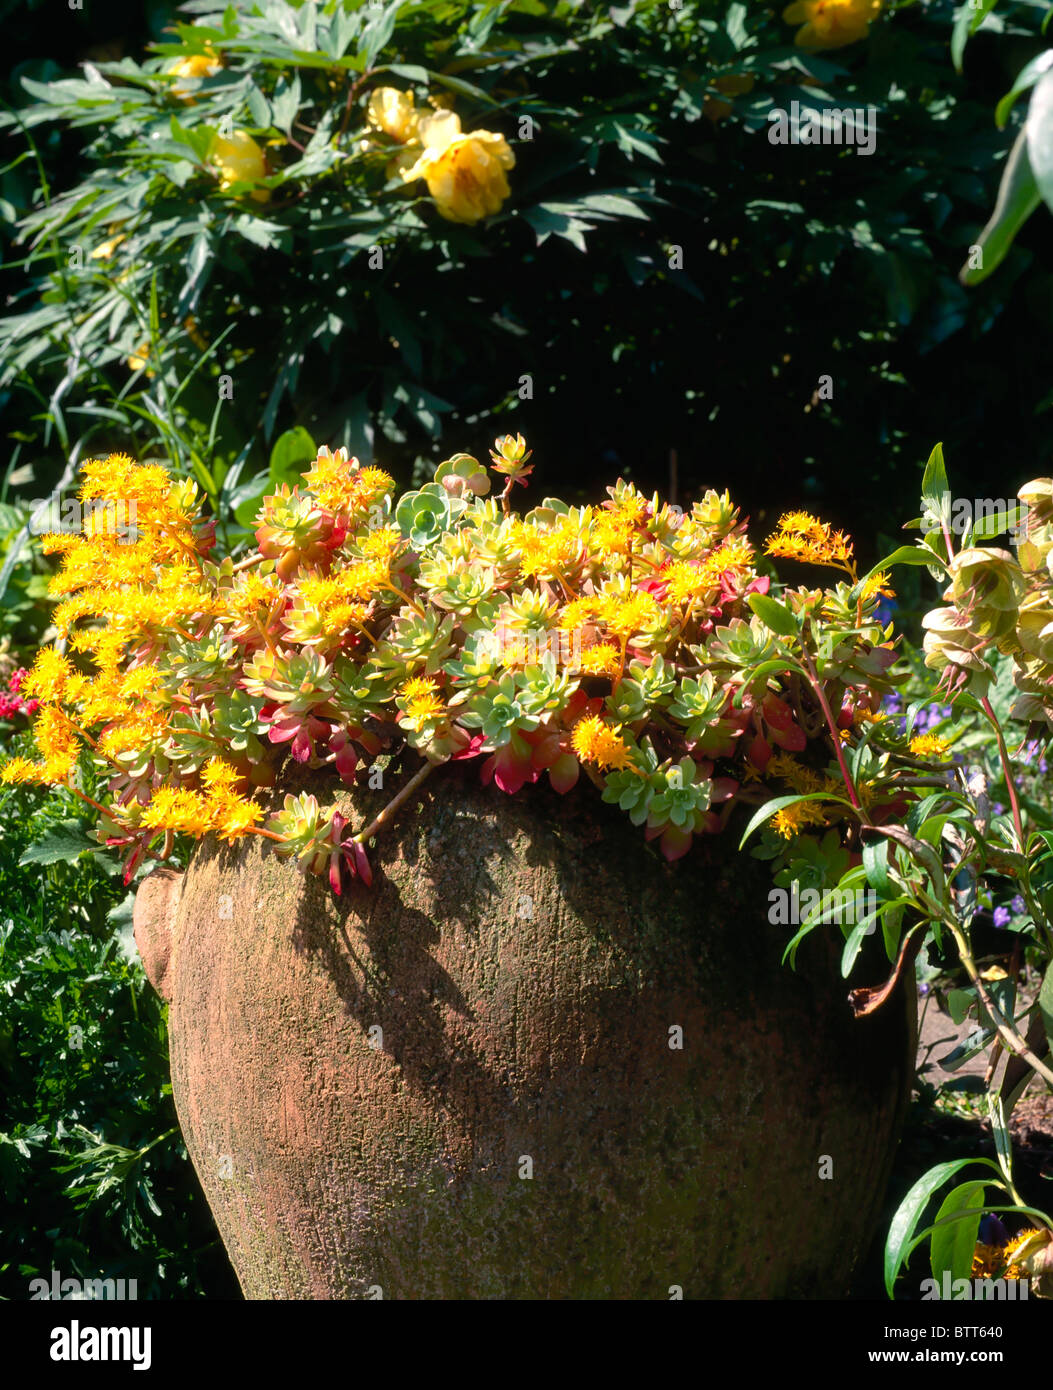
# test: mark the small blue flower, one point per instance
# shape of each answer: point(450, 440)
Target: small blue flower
point(1001, 917)
point(1017, 904)
point(997, 808)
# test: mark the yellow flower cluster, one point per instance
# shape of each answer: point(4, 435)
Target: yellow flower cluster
point(801, 536)
point(218, 808)
point(422, 698)
point(338, 488)
point(791, 820)
point(929, 746)
point(596, 742)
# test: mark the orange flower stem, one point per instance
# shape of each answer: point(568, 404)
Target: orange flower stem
point(396, 801)
point(621, 665)
point(88, 800)
point(249, 560)
point(394, 588)
point(267, 834)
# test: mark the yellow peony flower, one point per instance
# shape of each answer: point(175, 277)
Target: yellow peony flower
point(240, 160)
point(831, 23)
point(735, 84)
point(194, 65)
point(393, 112)
point(104, 251)
point(139, 359)
point(465, 173)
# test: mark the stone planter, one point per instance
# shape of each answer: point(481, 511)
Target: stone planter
point(466, 1083)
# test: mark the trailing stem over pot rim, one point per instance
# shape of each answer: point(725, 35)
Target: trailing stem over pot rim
point(630, 640)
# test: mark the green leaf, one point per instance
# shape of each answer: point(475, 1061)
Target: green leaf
point(952, 1246)
point(905, 555)
point(263, 233)
point(66, 840)
point(966, 22)
point(875, 862)
point(292, 450)
point(286, 102)
point(935, 489)
point(377, 33)
point(754, 674)
point(911, 1209)
point(1000, 1131)
point(1039, 130)
point(854, 944)
point(1025, 80)
point(774, 614)
point(892, 926)
point(1045, 1003)
point(988, 527)
point(1018, 197)
point(548, 219)
point(259, 108)
point(412, 72)
point(959, 1002)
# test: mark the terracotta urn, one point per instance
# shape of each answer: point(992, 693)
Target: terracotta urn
point(532, 1061)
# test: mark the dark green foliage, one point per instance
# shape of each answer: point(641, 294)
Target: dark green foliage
point(94, 1178)
point(798, 262)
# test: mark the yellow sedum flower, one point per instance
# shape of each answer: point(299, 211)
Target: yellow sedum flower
point(602, 660)
point(831, 23)
point(596, 742)
point(804, 537)
point(791, 820)
point(929, 746)
point(465, 174)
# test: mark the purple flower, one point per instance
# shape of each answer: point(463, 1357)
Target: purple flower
point(997, 808)
point(992, 1232)
point(1017, 904)
point(1001, 916)
point(924, 989)
point(884, 609)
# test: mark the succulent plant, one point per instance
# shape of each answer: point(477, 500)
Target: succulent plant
point(424, 516)
point(500, 711)
point(293, 531)
point(698, 704)
point(463, 476)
